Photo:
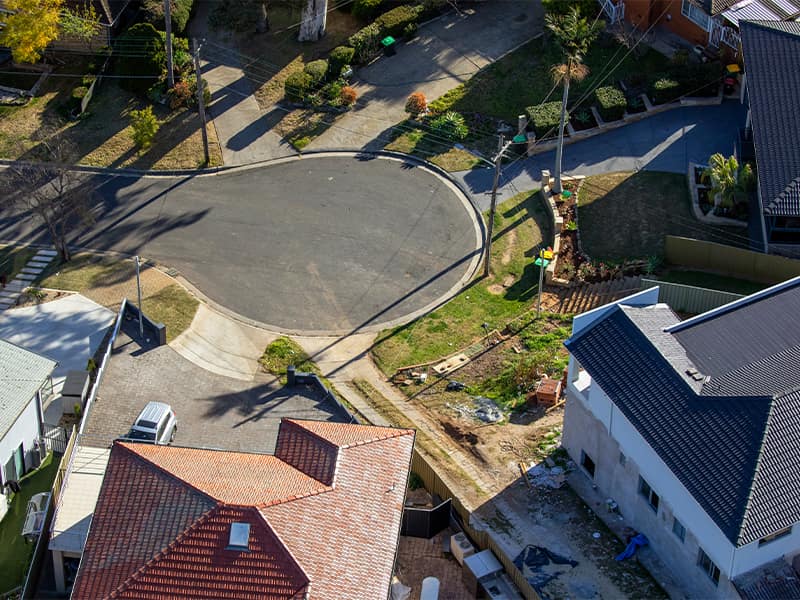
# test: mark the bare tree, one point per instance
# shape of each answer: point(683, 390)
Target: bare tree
point(50, 191)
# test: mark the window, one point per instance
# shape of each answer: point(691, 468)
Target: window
point(587, 463)
point(622, 459)
point(705, 563)
point(648, 494)
point(696, 14)
point(774, 536)
point(678, 529)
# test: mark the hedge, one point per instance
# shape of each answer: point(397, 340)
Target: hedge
point(180, 12)
point(544, 118)
point(365, 42)
point(317, 69)
point(665, 90)
point(366, 10)
point(586, 8)
point(699, 80)
point(395, 22)
point(398, 22)
point(297, 85)
point(611, 102)
point(338, 59)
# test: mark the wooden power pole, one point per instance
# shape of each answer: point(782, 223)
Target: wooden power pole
point(201, 104)
point(487, 259)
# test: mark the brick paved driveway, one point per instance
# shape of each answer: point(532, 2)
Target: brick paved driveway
point(213, 411)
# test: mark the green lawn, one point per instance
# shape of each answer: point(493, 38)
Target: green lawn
point(14, 258)
point(522, 78)
point(284, 352)
point(423, 145)
point(520, 227)
point(15, 553)
point(712, 281)
point(626, 215)
point(173, 306)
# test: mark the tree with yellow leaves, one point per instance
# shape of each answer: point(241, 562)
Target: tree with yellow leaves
point(31, 25)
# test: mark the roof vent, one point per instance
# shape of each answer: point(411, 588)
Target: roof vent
point(695, 374)
point(240, 537)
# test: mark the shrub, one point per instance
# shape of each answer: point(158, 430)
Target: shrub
point(317, 69)
point(416, 104)
point(179, 95)
point(235, 15)
point(366, 10)
point(451, 124)
point(145, 126)
point(545, 118)
point(410, 30)
point(297, 85)
point(340, 57)
point(395, 22)
point(431, 8)
point(348, 96)
point(332, 91)
point(79, 93)
point(192, 81)
point(180, 10)
point(699, 80)
point(366, 43)
point(611, 102)
point(141, 70)
point(665, 90)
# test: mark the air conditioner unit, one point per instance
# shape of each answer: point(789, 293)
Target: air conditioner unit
point(461, 547)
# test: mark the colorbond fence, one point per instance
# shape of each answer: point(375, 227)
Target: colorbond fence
point(730, 261)
point(687, 298)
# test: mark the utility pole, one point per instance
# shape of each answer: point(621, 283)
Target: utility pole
point(139, 294)
point(498, 159)
point(201, 105)
point(168, 29)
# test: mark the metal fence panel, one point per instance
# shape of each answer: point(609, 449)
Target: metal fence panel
point(689, 299)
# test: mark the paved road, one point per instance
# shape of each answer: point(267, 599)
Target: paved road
point(314, 244)
point(663, 142)
point(446, 52)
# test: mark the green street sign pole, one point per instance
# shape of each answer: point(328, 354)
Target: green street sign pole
point(542, 262)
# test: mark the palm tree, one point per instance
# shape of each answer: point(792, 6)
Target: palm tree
point(574, 34)
point(729, 182)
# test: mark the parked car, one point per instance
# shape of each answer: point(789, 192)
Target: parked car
point(156, 423)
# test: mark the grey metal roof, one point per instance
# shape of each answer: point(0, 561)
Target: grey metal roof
point(756, 10)
point(731, 437)
point(772, 63)
point(22, 373)
point(775, 580)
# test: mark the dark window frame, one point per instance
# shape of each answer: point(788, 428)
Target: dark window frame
point(678, 529)
point(782, 533)
point(646, 491)
point(709, 567)
point(591, 467)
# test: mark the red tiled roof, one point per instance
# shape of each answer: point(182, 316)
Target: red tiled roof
point(346, 436)
point(162, 521)
point(243, 479)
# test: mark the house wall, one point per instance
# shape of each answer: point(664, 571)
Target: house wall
point(593, 424)
point(667, 14)
point(25, 430)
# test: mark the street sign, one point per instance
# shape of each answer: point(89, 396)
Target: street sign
point(541, 262)
point(547, 254)
point(520, 139)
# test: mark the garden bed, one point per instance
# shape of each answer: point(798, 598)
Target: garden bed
point(703, 204)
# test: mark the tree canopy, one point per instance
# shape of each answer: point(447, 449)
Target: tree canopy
point(30, 27)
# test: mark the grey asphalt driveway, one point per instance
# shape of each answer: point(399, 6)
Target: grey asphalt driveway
point(445, 53)
point(68, 330)
point(213, 411)
point(668, 141)
point(314, 244)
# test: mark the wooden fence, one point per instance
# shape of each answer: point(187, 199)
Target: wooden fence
point(483, 539)
point(730, 261)
point(687, 298)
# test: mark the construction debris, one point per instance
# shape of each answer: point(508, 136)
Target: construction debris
point(483, 409)
point(542, 476)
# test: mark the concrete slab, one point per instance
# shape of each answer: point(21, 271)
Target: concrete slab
point(68, 330)
point(221, 345)
point(50, 253)
point(25, 276)
point(32, 270)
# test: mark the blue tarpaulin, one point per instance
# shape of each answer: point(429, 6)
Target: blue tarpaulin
point(630, 550)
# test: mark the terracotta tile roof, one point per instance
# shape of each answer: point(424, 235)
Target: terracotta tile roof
point(163, 518)
point(346, 436)
point(232, 478)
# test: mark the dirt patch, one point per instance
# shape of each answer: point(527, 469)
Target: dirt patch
point(39, 296)
point(508, 251)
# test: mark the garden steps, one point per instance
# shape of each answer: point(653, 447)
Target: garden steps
point(27, 275)
point(585, 297)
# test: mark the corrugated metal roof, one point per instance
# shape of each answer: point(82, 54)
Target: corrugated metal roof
point(750, 11)
point(772, 63)
point(22, 373)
